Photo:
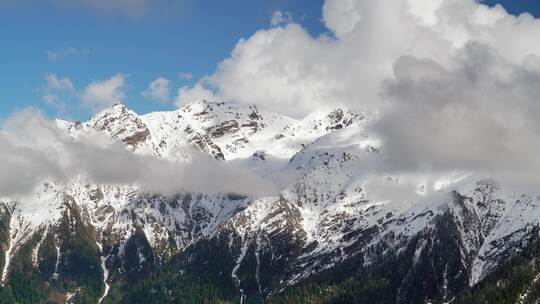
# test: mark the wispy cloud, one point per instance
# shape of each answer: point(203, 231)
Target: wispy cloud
point(55, 88)
point(126, 7)
point(185, 75)
point(280, 18)
point(55, 83)
point(63, 53)
point(54, 101)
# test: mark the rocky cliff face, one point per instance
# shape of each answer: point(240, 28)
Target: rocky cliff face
point(329, 231)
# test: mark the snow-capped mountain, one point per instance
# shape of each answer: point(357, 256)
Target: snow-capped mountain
point(334, 233)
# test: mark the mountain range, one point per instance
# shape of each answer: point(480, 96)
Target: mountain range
point(336, 230)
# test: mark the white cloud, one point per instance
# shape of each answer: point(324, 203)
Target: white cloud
point(280, 18)
point(104, 93)
point(55, 83)
point(286, 70)
point(185, 75)
point(425, 10)
point(55, 89)
point(96, 96)
point(35, 150)
point(62, 53)
point(282, 69)
point(477, 114)
point(196, 93)
point(54, 101)
point(454, 82)
point(342, 16)
point(158, 90)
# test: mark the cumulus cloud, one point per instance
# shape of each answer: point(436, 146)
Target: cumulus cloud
point(34, 150)
point(158, 90)
point(287, 70)
point(104, 93)
point(452, 82)
point(478, 114)
point(96, 95)
point(342, 16)
point(193, 94)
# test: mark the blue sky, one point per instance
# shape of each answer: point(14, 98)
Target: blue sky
point(86, 43)
point(188, 38)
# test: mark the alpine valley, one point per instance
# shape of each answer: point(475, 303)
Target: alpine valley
point(332, 233)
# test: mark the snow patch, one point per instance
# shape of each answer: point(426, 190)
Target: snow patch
point(105, 272)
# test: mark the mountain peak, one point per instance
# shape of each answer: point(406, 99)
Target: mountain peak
point(119, 106)
point(120, 123)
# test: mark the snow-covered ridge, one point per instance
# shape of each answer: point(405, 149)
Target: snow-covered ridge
point(331, 204)
point(234, 130)
point(226, 131)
